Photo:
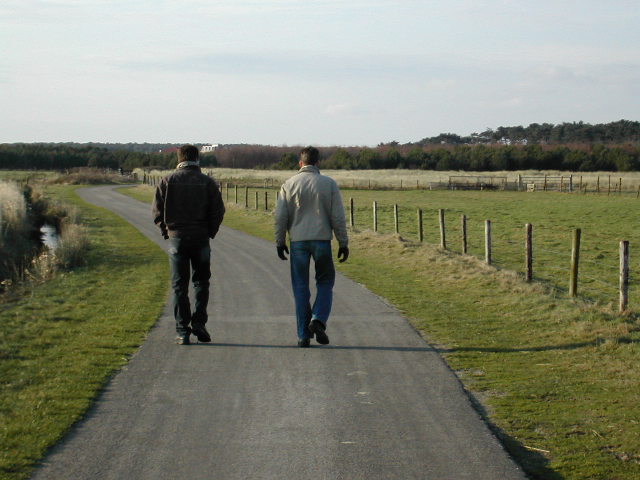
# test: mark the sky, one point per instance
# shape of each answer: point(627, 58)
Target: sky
point(310, 72)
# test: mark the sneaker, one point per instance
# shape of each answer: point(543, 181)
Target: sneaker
point(317, 328)
point(304, 342)
point(201, 332)
point(183, 339)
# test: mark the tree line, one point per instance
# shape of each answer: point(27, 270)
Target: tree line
point(621, 131)
point(65, 156)
point(571, 147)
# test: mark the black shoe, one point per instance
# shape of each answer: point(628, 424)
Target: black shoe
point(183, 339)
point(317, 328)
point(201, 332)
point(304, 342)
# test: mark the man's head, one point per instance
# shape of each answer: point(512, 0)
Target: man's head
point(309, 156)
point(188, 153)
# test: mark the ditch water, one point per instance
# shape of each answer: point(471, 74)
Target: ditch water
point(49, 236)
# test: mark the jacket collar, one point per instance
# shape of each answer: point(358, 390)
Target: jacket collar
point(188, 164)
point(309, 169)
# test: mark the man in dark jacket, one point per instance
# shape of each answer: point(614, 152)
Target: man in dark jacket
point(188, 209)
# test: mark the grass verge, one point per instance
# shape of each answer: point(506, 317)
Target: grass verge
point(62, 340)
point(556, 379)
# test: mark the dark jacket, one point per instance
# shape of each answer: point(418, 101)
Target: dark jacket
point(188, 203)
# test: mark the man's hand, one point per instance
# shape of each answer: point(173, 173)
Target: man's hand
point(281, 251)
point(343, 254)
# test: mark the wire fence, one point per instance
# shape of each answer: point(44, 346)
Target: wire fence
point(598, 272)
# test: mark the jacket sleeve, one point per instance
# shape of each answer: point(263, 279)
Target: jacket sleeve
point(216, 209)
point(157, 208)
point(338, 220)
point(281, 222)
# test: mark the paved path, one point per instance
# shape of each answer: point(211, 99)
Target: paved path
point(378, 403)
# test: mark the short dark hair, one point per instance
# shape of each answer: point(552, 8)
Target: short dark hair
point(188, 153)
point(309, 155)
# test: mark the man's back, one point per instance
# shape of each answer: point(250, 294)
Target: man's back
point(310, 208)
point(191, 203)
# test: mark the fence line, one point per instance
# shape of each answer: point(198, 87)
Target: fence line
point(573, 266)
point(575, 275)
point(525, 183)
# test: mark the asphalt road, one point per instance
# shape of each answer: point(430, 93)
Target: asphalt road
point(377, 403)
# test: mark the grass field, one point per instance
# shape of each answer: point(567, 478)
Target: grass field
point(556, 379)
point(61, 341)
point(410, 179)
point(604, 221)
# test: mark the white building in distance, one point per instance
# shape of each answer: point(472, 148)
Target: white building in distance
point(209, 148)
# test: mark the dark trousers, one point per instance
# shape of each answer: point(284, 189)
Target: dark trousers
point(189, 257)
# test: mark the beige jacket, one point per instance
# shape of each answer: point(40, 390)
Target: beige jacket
point(310, 208)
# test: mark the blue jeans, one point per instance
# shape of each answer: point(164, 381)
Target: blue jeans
point(186, 255)
point(301, 254)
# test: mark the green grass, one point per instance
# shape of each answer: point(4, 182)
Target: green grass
point(604, 220)
point(556, 379)
point(62, 340)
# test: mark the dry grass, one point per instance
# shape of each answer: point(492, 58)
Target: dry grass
point(402, 178)
point(90, 176)
point(72, 247)
point(21, 257)
point(13, 209)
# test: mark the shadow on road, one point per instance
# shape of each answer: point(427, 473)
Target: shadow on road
point(316, 347)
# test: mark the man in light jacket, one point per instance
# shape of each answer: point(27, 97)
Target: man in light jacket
point(310, 209)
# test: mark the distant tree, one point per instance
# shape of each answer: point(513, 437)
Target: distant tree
point(288, 161)
point(341, 159)
point(208, 160)
point(368, 159)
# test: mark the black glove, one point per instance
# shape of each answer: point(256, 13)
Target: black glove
point(281, 251)
point(344, 253)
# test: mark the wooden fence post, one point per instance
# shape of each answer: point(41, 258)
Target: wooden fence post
point(375, 216)
point(464, 234)
point(443, 235)
point(256, 200)
point(266, 201)
point(624, 275)
point(575, 260)
point(396, 219)
point(351, 214)
point(246, 197)
point(236, 188)
point(528, 252)
point(487, 241)
point(420, 227)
